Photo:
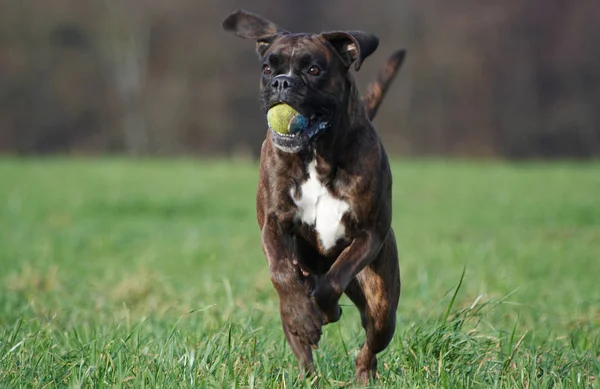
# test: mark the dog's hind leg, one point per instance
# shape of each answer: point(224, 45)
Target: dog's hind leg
point(376, 291)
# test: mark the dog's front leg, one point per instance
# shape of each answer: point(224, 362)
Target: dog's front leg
point(301, 319)
point(348, 264)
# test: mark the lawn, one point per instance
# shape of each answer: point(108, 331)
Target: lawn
point(149, 273)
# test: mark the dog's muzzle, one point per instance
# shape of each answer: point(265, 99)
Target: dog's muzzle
point(300, 139)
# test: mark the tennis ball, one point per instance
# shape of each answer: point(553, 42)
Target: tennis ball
point(298, 123)
point(280, 116)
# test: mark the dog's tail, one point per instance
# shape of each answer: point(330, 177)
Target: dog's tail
point(376, 90)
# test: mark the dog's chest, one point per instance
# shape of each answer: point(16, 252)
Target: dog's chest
point(318, 208)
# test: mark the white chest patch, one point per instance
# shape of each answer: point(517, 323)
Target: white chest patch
point(319, 209)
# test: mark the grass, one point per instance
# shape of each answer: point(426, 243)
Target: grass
point(149, 273)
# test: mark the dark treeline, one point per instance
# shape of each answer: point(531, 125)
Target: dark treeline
point(511, 78)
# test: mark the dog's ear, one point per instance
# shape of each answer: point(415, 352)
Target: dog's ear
point(353, 46)
point(251, 26)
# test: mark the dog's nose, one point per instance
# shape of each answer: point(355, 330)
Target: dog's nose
point(282, 82)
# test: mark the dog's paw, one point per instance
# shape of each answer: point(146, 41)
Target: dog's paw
point(366, 368)
point(327, 300)
point(303, 319)
point(332, 314)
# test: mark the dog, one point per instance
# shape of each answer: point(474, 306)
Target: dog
point(324, 199)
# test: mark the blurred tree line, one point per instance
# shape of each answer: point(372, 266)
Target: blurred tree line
point(511, 78)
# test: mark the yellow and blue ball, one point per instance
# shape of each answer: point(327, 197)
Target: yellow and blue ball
point(284, 119)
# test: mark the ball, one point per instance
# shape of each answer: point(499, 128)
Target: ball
point(285, 120)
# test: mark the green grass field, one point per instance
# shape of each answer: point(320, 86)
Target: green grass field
point(149, 273)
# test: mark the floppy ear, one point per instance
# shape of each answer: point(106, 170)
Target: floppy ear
point(353, 46)
point(251, 26)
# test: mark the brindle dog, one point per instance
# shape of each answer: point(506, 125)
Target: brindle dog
point(324, 202)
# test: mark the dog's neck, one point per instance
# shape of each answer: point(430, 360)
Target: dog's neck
point(347, 124)
point(334, 146)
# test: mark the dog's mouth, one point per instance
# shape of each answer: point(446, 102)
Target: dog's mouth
point(299, 136)
point(290, 143)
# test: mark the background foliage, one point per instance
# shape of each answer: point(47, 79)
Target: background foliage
point(510, 79)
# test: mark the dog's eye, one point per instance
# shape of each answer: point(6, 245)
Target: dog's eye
point(267, 69)
point(314, 70)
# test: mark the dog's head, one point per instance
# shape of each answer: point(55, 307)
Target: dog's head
point(309, 72)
